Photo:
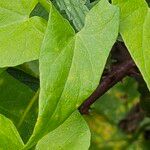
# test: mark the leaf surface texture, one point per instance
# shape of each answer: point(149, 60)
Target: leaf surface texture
point(73, 134)
point(71, 64)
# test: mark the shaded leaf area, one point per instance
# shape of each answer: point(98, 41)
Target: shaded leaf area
point(76, 10)
point(70, 71)
point(73, 134)
point(106, 115)
point(148, 1)
point(40, 11)
point(18, 32)
point(91, 3)
point(2, 70)
point(31, 68)
point(9, 136)
point(134, 28)
point(24, 77)
point(15, 98)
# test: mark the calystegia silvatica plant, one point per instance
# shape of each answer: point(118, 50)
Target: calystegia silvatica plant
point(74, 74)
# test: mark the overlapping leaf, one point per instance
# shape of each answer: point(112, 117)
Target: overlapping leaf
point(134, 28)
point(71, 65)
point(9, 137)
point(73, 134)
point(15, 101)
point(20, 36)
point(76, 11)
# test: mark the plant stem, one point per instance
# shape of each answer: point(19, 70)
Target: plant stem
point(117, 74)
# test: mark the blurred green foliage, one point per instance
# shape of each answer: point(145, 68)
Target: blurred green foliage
point(106, 115)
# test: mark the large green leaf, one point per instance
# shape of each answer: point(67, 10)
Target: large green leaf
point(20, 36)
point(73, 134)
point(17, 103)
point(76, 11)
point(134, 28)
point(9, 137)
point(71, 65)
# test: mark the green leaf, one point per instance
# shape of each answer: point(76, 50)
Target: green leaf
point(9, 137)
point(73, 134)
point(71, 65)
point(20, 36)
point(76, 11)
point(15, 101)
point(134, 28)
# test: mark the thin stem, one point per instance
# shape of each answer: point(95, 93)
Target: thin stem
point(45, 4)
point(34, 98)
point(117, 74)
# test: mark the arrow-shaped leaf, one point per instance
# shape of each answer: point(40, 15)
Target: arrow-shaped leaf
point(71, 64)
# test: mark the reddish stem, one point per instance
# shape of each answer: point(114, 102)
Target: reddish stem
point(117, 73)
